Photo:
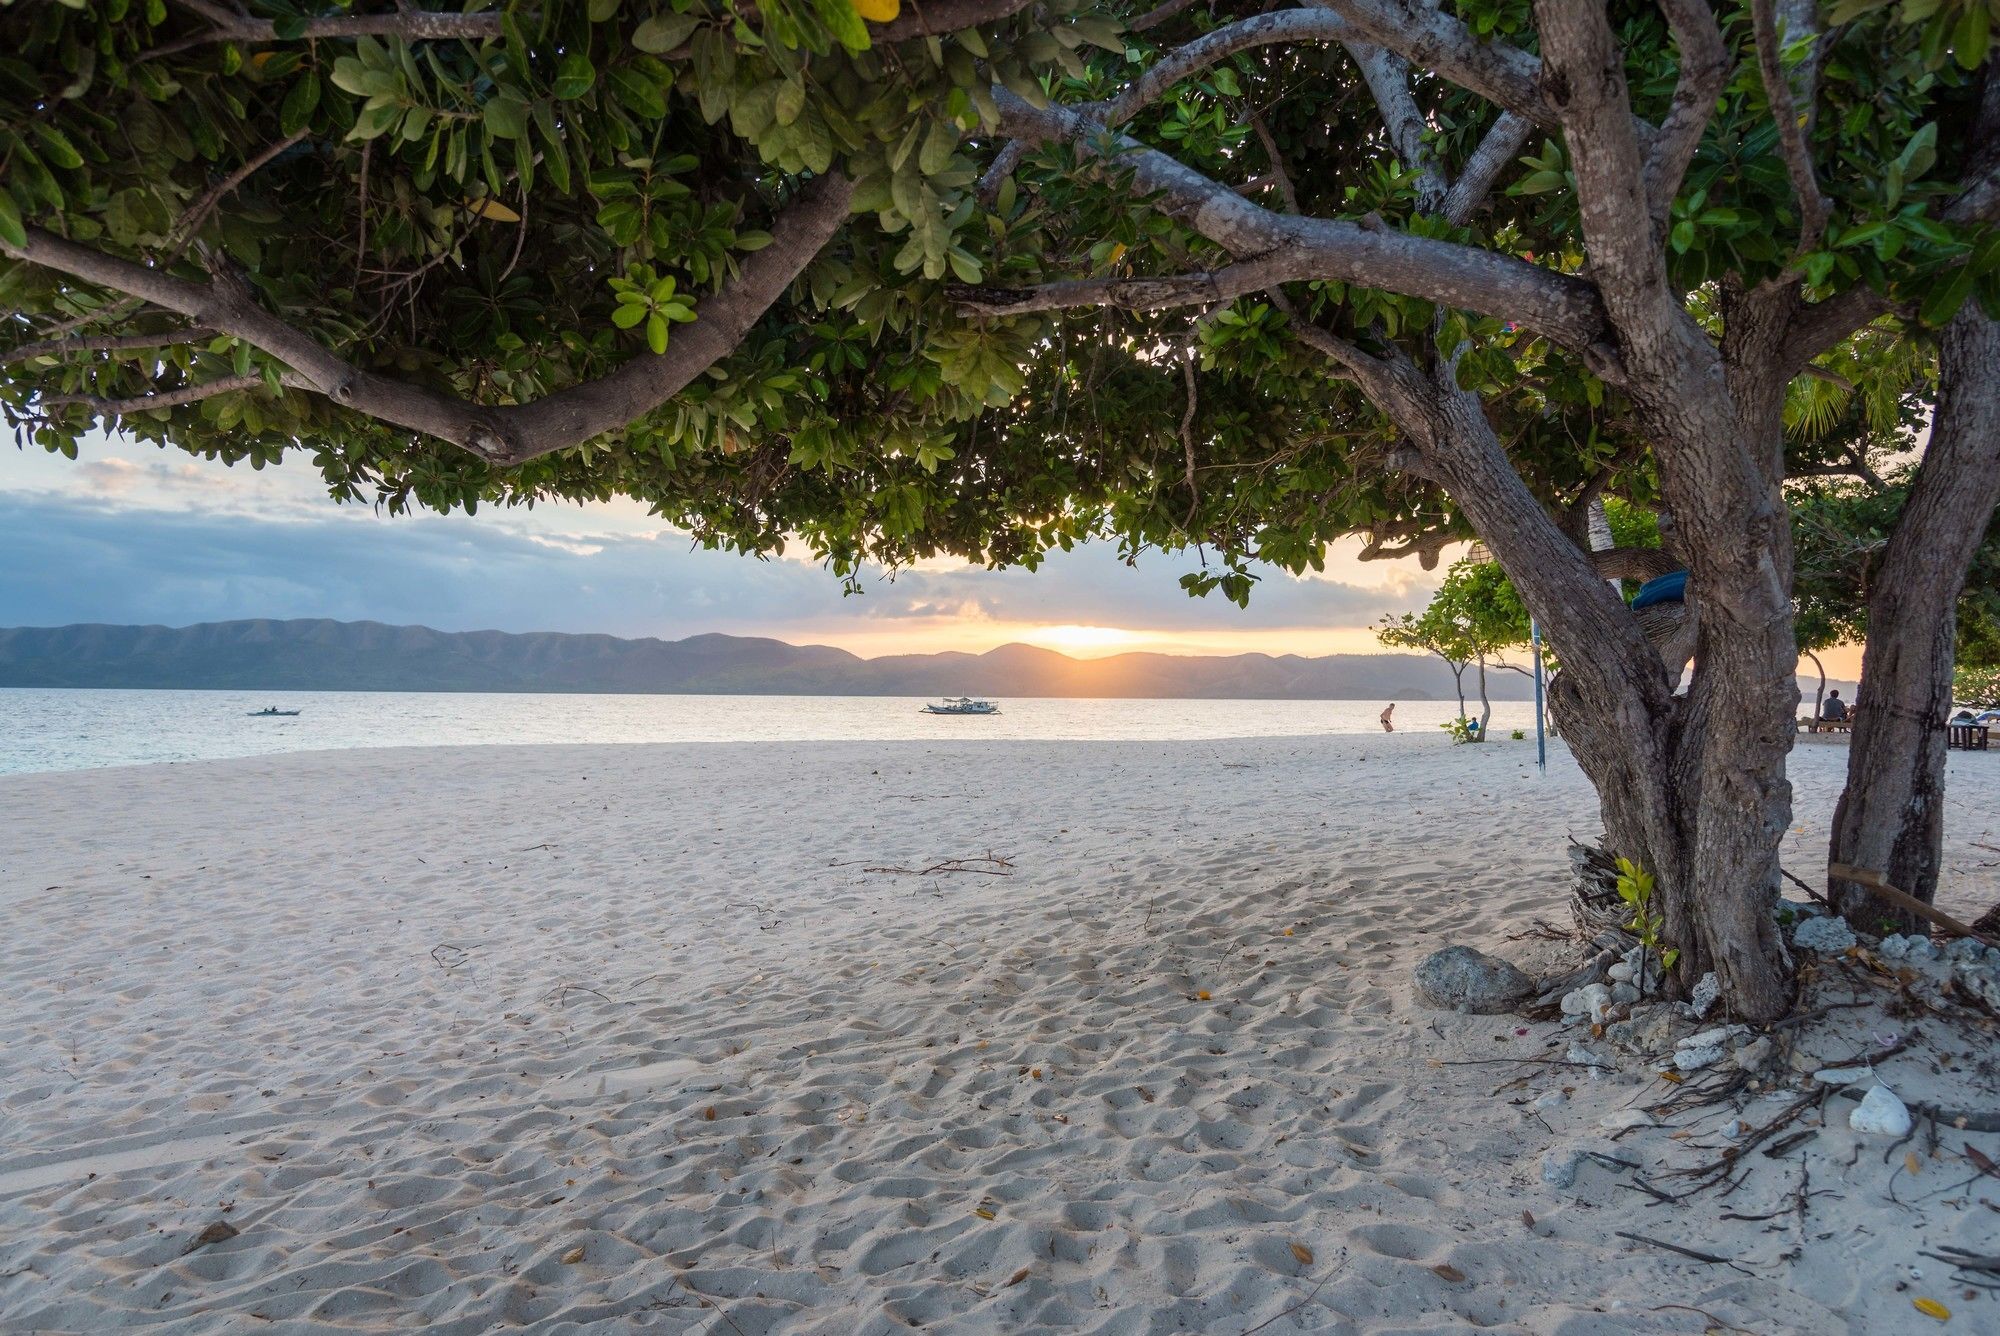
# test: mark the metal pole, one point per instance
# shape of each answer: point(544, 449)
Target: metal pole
point(1541, 735)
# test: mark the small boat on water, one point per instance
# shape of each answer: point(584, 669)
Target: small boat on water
point(963, 705)
point(271, 712)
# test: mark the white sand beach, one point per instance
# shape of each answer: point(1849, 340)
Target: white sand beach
point(684, 1039)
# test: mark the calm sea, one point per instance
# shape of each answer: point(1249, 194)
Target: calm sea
point(72, 730)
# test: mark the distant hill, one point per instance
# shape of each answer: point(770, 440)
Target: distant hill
point(369, 656)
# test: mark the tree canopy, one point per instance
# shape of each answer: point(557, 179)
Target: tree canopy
point(991, 276)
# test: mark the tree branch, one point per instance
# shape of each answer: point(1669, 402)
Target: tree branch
point(187, 394)
point(1139, 294)
point(1279, 26)
point(1704, 69)
point(106, 343)
point(414, 25)
point(1153, 18)
point(506, 434)
point(1584, 71)
point(942, 16)
point(1279, 176)
point(1792, 145)
point(1563, 307)
point(1500, 72)
point(1388, 78)
point(1496, 152)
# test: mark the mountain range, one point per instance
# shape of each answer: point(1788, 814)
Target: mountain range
point(320, 655)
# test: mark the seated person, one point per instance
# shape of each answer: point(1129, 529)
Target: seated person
point(1835, 709)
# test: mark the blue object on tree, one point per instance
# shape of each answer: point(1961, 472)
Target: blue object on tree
point(1664, 589)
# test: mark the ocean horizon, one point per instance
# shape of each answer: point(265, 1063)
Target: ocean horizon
point(57, 728)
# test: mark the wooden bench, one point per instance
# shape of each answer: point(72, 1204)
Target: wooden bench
point(1966, 737)
point(1811, 725)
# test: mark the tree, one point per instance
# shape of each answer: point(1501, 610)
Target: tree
point(1899, 556)
point(1474, 617)
point(1696, 256)
point(454, 256)
point(1890, 818)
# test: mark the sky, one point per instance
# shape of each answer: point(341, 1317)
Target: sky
point(129, 533)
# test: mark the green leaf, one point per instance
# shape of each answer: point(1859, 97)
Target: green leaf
point(656, 333)
point(1969, 39)
point(61, 152)
point(300, 102)
point(627, 314)
point(938, 147)
point(636, 91)
point(790, 101)
point(289, 27)
point(507, 116)
point(575, 76)
point(600, 10)
point(664, 32)
point(11, 230)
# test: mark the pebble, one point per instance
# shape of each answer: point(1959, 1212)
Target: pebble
point(1624, 993)
point(1880, 1113)
point(1543, 1103)
point(1621, 972)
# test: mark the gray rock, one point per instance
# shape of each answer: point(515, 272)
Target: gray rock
point(1829, 936)
point(1624, 993)
point(1561, 1165)
point(1880, 1113)
point(1842, 1076)
point(1548, 1100)
point(1894, 947)
point(1460, 978)
point(1621, 972)
point(1754, 1056)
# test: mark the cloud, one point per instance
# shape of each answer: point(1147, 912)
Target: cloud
point(130, 533)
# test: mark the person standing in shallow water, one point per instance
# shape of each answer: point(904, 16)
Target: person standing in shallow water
point(1388, 710)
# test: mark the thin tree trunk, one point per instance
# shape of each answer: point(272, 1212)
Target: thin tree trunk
point(1890, 819)
point(1819, 696)
point(1485, 706)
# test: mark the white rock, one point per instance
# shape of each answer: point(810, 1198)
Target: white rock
point(1713, 1036)
point(1829, 936)
point(1589, 1000)
point(1734, 1128)
point(1624, 993)
point(1584, 1056)
point(1842, 1076)
point(1704, 994)
point(1965, 951)
point(1544, 1102)
point(1694, 1059)
point(1893, 947)
point(1621, 972)
point(1880, 1113)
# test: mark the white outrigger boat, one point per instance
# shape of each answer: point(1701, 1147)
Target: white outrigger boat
point(963, 705)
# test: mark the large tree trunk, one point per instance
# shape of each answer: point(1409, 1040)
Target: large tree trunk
point(1691, 788)
point(1890, 819)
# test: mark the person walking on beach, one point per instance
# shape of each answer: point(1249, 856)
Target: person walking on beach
point(1388, 710)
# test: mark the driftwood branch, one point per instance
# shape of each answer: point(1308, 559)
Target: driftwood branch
point(412, 25)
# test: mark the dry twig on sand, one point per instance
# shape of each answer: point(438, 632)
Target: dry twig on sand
point(1001, 867)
